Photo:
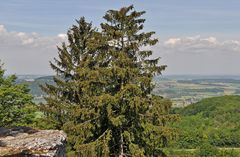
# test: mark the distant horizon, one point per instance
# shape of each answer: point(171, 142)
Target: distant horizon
point(237, 75)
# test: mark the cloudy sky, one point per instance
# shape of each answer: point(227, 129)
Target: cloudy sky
point(195, 37)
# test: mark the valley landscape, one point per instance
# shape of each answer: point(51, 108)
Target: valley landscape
point(183, 90)
point(120, 79)
point(208, 107)
point(187, 89)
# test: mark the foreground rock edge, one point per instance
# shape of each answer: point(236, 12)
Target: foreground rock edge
point(24, 141)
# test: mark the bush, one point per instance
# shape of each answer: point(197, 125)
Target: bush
point(207, 150)
point(228, 153)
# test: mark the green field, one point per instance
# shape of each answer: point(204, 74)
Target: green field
point(188, 90)
point(182, 90)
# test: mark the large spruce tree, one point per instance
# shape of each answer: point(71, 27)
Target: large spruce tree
point(102, 97)
point(74, 63)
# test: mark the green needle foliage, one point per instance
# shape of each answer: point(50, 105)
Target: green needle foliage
point(102, 97)
point(15, 102)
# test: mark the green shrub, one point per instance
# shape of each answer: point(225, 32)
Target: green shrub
point(207, 150)
point(228, 153)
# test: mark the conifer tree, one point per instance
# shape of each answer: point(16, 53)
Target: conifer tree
point(72, 57)
point(71, 101)
point(15, 102)
point(137, 117)
point(102, 97)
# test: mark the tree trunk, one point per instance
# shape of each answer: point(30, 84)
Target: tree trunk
point(121, 153)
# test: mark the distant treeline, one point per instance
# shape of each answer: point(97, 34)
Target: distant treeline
point(200, 81)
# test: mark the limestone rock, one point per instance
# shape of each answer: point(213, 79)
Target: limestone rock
point(27, 142)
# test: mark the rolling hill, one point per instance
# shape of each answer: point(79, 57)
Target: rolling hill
point(212, 120)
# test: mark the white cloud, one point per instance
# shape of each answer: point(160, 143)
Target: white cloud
point(198, 44)
point(193, 37)
point(21, 34)
point(172, 41)
point(199, 55)
point(31, 39)
point(2, 29)
point(27, 52)
point(28, 41)
point(30, 53)
point(62, 36)
point(212, 40)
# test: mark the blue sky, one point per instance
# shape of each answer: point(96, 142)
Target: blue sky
point(171, 17)
point(196, 36)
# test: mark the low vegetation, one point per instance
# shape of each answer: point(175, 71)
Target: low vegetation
point(209, 124)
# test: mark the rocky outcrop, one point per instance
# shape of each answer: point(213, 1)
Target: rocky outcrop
point(27, 142)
